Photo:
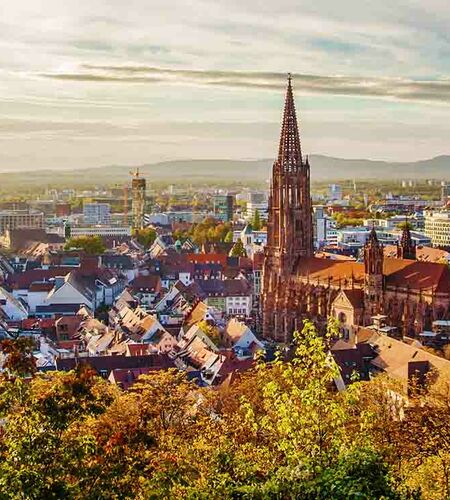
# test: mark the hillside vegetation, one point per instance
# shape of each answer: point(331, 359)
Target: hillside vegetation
point(279, 432)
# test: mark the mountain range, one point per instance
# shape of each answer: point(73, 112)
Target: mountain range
point(323, 168)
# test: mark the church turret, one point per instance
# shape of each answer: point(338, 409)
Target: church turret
point(406, 248)
point(373, 276)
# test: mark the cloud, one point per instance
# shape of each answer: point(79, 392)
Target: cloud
point(437, 91)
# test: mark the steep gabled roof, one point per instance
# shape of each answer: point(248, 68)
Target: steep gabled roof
point(417, 275)
point(24, 280)
point(393, 357)
point(150, 282)
point(403, 273)
point(355, 297)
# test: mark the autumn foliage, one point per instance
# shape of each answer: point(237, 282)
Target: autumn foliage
point(280, 431)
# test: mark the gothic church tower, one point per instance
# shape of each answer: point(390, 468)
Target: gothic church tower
point(373, 276)
point(289, 228)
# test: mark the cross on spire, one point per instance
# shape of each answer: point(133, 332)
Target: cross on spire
point(289, 153)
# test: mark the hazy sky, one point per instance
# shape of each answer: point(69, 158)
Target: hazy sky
point(97, 82)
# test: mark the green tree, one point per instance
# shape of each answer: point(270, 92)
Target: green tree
point(146, 236)
point(405, 225)
point(229, 237)
point(281, 430)
point(256, 223)
point(238, 249)
point(43, 445)
point(211, 331)
point(19, 356)
point(92, 245)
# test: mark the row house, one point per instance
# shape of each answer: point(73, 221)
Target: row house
point(232, 297)
point(147, 289)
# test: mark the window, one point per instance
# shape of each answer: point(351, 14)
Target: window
point(342, 317)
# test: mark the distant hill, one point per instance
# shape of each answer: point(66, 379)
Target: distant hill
point(326, 167)
point(323, 168)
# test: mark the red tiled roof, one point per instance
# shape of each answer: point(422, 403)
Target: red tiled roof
point(258, 260)
point(34, 323)
point(245, 263)
point(151, 282)
point(109, 363)
point(137, 349)
point(335, 272)
point(125, 378)
point(423, 253)
point(232, 366)
point(47, 323)
point(399, 272)
point(417, 275)
point(207, 258)
point(355, 297)
point(333, 256)
point(68, 344)
point(30, 323)
point(25, 279)
point(39, 286)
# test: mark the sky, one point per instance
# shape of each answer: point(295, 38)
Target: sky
point(102, 82)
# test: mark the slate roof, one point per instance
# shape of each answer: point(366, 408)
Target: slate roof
point(224, 288)
point(116, 261)
point(56, 309)
point(108, 363)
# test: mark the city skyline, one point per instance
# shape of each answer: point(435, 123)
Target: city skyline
point(108, 83)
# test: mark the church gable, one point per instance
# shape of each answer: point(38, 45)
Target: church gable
point(342, 301)
point(350, 300)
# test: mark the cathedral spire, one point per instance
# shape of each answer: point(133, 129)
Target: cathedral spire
point(373, 238)
point(289, 153)
point(373, 254)
point(406, 249)
point(290, 230)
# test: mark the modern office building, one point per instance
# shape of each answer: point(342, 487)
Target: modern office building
point(223, 205)
point(97, 213)
point(335, 192)
point(445, 192)
point(437, 227)
point(104, 231)
point(319, 226)
point(15, 219)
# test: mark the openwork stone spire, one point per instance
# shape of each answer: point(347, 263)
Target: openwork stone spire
point(406, 249)
point(373, 238)
point(289, 153)
point(373, 254)
point(406, 240)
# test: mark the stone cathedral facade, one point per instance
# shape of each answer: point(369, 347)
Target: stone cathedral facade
point(297, 286)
